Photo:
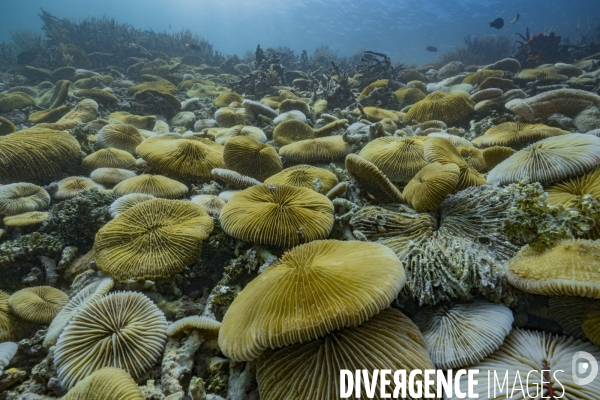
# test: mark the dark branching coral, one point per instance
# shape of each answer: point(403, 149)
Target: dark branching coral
point(28, 247)
point(76, 221)
point(452, 253)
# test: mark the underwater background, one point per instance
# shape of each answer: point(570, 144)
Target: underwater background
point(399, 28)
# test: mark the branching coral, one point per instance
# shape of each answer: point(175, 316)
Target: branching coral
point(452, 253)
point(77, 220)
point(28, 247)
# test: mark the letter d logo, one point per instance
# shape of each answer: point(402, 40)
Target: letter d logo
point(584, 363)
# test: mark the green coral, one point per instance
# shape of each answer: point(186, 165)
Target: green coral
point(218, 378)
point(76, 221)
point(531, 220)
point(29, 246)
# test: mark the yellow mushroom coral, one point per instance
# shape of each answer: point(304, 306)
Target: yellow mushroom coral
point(109, 158)
point(38, 304)
point(387, 341)
point(182, 158)
point(319, 150)
point(569, 268)
point(372, 180)
point(442, 151)
point(398, 158)
point(106, 383)
point(314, 289)
point(250, 157)
point(120, 136)
point(304, 175)
point(516, 135)
point(154, 239)
point(441, 106)
point(17, 198)
point(278, 215)
point(430, 186)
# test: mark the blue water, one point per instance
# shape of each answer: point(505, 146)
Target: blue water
point(399, 28)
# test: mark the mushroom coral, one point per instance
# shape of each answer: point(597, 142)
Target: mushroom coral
point(387, 341)
point(250, 157)
point(15, 100)
point(38, 304)
point(155, 185)
point(106, 383)
point(140, 122)
point(372, 180)
point(120, 136)
point(524, 351)
point(452, 253)
point(278, 215)
point(516, 135)
point(460, 335)
point(182, 158)
point(72, 186)
point(430, 186)
point(25, 219)
point(111, 176)
point(11, 326)
point(223, 135)
point(440, 106)
point(554, 159)
point(319, 150)
point(109, 158)
point(125, 202)
point(37, 155)
point(569, 102)
point(314, 289)
point(228, 117)
point(303, 175)
point(17, 198)
point(192, 323)
point(7, 352)
point(494, 155)
point(443, 151)
point(123, 330)
point(85, 111)
point(91, 292)
point(398, 158)
point(569, 268)
point(154, 239)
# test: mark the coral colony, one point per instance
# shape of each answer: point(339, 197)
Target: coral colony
point(181, 224)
